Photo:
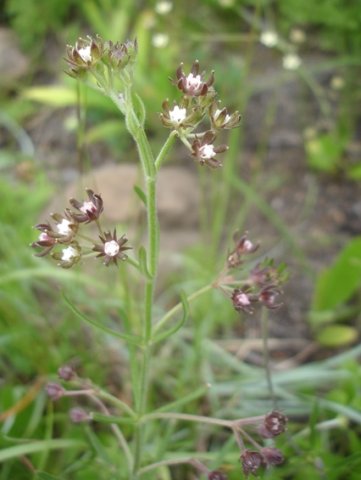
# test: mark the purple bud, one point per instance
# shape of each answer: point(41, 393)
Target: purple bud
point(275, 423)
point(79, 415)
point(66, 372)
point(251, 461)
point(54, 391)
point(272, 456)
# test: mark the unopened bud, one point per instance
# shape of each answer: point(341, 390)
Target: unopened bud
point(66, 372)
point(79, 415)
point(54, 391)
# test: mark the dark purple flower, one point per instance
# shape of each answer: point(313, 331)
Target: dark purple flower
point(275, 423)
point(90, 209)
point(242, 246)
point(251, 461)
point(272, 456)
point(84, 55)
point(268, 295)
point(242, 300)
point(205, 152)
point(221, 119)
point(45, 241)
point(180, 116)
point(112, 248)
point(68, 256)
point(193, 84)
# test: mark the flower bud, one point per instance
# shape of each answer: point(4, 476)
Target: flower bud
point(66, 372)
point(79, 415)
point(272, 456)
point(274, 423)
point(54, 391)
point(216, 475)
point(251, 461)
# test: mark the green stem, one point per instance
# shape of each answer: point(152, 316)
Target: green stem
point(136, 129)
point(165, 149)
point(178, 308)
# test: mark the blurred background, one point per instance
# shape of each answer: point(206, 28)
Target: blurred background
point(291, 178)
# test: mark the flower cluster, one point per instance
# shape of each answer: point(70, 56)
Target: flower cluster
point(94, 55)
point(272, 425)
point(262, 283)
point(198, 102)
point(62, 238)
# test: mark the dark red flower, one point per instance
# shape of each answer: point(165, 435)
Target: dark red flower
point(242, 246)
point(274, 423)
point(242, 300)
point(205, 152)
point(112, 248)
point(90, 209)
point(251, 461)
point(267, 296)
point(193, 84)
point(272, 456)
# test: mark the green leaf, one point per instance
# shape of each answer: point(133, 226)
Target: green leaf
point(56, 96)
point(142, 255)
point(39, 446)
point(46, 476)
point(132, 339)
point(324, 152)
point(177, 326)
point(140, 194)
point(337, 335)
point(336, 284)
point(354, 172)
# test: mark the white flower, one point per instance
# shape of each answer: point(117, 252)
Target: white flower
point(337, 83)
point(268, 38)
point(177, 115)
point(64, 227)
point(291, 61)
point(193, 82)
point(297, 35)
point(69, 254)
point(207, 151)
point(88, 207)
point(217, 114)
point(111, 248)
point(85, 53)
point(162, 8)
point(160, 40)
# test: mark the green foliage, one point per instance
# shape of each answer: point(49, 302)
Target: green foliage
point(334, 287)
point(33, 19)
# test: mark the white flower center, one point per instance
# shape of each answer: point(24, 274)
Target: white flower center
point(162, 8)
point(193, 82)
point(217, 114)
point(247, 245)
point(291, 61)
point(207, 151)
point(269, 38)
point(111, 248)
point(160, 40)
point(243, 299)
point(64, 227)
point(88, 207)
point(85, 53)
point(44, 237)
point(69, 253)
point(177, 115)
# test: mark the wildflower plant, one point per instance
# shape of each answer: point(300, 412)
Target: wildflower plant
point(69, 239)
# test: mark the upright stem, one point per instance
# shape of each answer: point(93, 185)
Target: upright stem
point(149, 170)
point(267, 366)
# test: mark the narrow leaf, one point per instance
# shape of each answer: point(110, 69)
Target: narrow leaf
point(177, 326)
point(132, 339)
point(39, 446)
point(143, 262)
point(140, 194)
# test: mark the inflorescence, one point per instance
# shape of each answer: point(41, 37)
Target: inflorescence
point(64, 240)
